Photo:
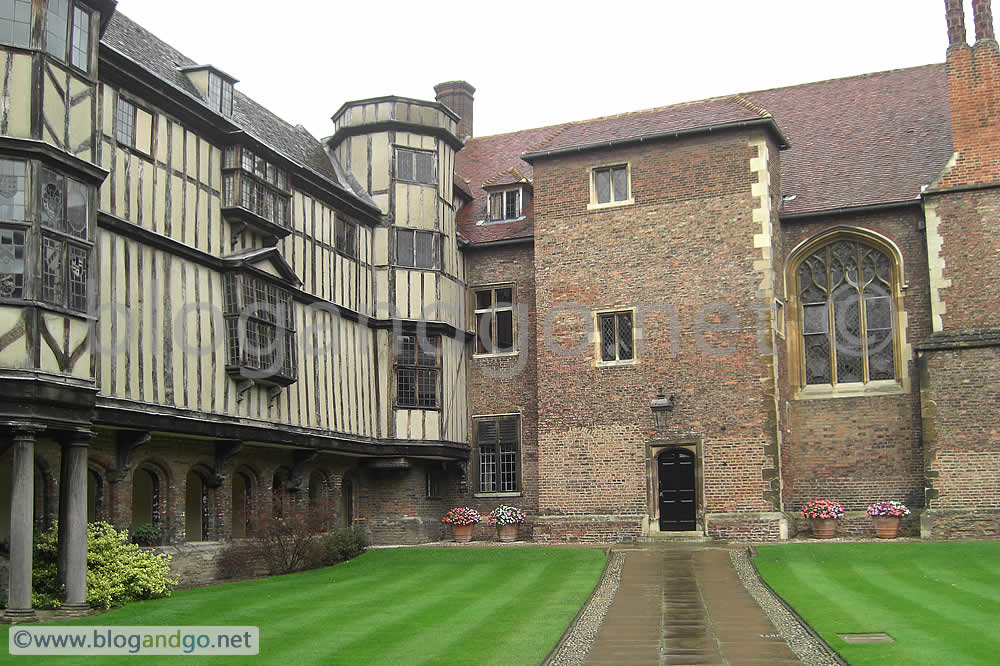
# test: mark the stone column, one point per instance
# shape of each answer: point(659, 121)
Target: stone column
point(22, 506)
point(73, 520)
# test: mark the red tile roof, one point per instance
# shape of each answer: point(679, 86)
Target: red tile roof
point(856, 141)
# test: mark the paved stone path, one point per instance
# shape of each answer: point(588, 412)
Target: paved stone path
point(684, 604)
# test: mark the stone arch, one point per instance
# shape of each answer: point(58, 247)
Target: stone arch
point(244, 487)
point(349, 497)
point(281, 501)
point(199, 504)
point(150, 502)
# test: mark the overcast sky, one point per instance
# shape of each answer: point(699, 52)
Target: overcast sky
point(539, 63)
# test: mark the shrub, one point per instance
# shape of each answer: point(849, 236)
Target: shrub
point(343, 544)
point(237, 559)
point(288, 544)
point(118, 572)
point(147, 535)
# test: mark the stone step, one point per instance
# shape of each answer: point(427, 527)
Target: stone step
point(674, 537)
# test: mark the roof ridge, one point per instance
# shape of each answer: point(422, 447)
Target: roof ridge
point(833, 79)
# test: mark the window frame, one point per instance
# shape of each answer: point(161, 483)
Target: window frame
point(413, 170)
point(504, 198)
point(437, 258)
point(794, 318)
point(599, 343)
point(593, 172)
point(496, 306)
point(404, 366)
point(246, 176)
point(222, 101)
point(14, 22)
point(497, 487)
point(244, 322)
point(346, 237)
point(71, 31)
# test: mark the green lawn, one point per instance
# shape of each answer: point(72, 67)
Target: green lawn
point(401, 606)
point(939, 601)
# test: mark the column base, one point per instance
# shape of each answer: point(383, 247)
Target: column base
point(74, 610)
point(18, 616)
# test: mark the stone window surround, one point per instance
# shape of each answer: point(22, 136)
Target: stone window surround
point(636, 336)
point(592, 171)
point(654, 448)
point(793, 318)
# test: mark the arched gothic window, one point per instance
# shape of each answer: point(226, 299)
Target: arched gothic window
point(845, 290)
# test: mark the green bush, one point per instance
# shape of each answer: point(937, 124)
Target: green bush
point(342, 544)
point(117, 571)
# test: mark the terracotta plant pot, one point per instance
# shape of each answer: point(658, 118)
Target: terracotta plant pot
point(507, 533)
point(887, 527)
point(823, 528)
point(461, 533)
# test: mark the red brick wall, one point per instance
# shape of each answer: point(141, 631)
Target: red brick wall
point(687, 243)
point(858, 450)
point(974, 92)
point(507, 384)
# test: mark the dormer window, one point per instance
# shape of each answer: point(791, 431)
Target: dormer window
point(505, 205)
point(220, 94)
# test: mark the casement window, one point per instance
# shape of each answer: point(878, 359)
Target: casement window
point(416, 166)
point(62, 236)
point(432, 481)
point(346, 237)
point(418, 363)
point(68, 28)
point(498, 452)
point(260, 330)
point(616, 336)
point(610, 184)
point(15, 22)
point(418, 249)
point(220, 94)
point(505, 205)
point(133, 126)
point(251, 182)
point(845, 291)
point(495, 326)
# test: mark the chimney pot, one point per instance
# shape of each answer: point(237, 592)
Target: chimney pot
point(982, 15)
point(458, 96)
point(955, 15)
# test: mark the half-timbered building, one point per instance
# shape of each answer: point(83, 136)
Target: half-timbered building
point(685, 319)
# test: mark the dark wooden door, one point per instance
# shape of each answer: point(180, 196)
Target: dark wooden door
point(676, 483)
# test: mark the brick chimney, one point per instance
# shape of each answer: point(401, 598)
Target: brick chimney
point(974, 93)
point(457, 96)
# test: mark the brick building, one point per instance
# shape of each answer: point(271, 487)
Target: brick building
point(685, 319)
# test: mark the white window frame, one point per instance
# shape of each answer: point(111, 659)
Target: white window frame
point(504, 196)
point(598, 340)
point(612, 203)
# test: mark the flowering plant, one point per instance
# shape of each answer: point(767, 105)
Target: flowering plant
point(505, 515)
point(823, 509)
point(895, 509)
point(462, 515)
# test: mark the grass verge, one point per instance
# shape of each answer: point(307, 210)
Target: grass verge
point(400, 606)
point(939, 601)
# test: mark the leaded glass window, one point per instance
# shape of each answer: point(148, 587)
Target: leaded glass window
point(417, 249)
point(79, 54)
point(611, 184)
point(845, 292)
point(12, 185)
point(255, 184)
point(416, 166)
point(617, 336)
point(220, 94)
point(505, 205)
point(497, 442)
point(125, 122)
point(15, 22)
point(56, 24)
point(11, 263)
point(417, 369)
point(346, 237)
point(260, 336)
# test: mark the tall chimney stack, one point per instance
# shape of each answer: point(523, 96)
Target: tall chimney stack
point(457, 96)
point(983, 18)
point(955, 15)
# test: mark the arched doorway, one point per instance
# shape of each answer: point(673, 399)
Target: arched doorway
point(145, 498)
point(676, 484)
point(196, 516)
point(242, 509)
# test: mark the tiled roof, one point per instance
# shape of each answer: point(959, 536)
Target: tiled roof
point(293, 141)
point(862, 140)
point(856, 141)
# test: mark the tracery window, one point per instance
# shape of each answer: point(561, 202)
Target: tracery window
point(845, 291)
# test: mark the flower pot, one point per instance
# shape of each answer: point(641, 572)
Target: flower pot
point(461, 533)
point(507, 533)
point(823, 528)
point(887, 527)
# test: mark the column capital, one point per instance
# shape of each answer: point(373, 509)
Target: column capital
point(26, 428)
point(77, 438)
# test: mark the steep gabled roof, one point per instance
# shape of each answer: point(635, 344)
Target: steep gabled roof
point(856, 141)
point(162, 60)
point(861, 140)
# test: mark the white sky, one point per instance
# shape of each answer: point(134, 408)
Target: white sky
point(542, 62)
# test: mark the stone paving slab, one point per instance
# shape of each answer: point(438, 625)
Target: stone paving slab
point(685, 604)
